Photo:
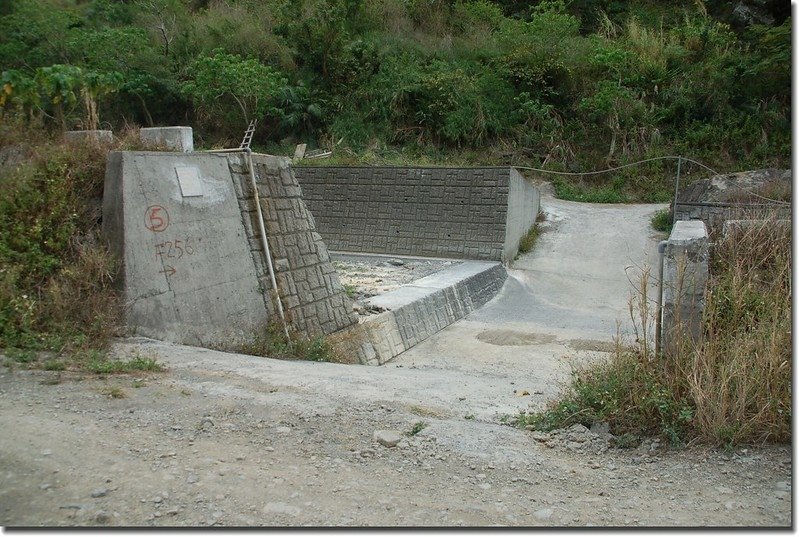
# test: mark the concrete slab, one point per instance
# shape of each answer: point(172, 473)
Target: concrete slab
point(175, 138)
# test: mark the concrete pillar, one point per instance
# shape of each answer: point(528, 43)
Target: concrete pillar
point(178, 139)
point(103, 137)
point(685, 272)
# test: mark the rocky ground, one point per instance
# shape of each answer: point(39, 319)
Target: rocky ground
point(214, 442)
point(365, 276)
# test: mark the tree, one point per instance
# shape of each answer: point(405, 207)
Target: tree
point(235, 88)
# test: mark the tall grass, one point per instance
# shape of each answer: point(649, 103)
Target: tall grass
point(732, 386)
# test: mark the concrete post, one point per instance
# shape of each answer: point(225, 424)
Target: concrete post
point(178, 139)
point(685, 274)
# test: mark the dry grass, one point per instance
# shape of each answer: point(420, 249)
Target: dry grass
point(740, 374)
point(731, 387)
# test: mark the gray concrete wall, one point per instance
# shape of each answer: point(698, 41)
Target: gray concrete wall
point(524, 202)
point(438, 212)
point(187, 273)
point(193, 272)
point(685, 272)
point(175, 138)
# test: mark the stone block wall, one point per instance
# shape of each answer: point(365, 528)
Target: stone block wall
point(435, 212)
point(308, 285)
point(714, 214)
point(418, 310)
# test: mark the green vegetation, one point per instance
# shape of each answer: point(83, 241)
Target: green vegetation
point(661, 221)
point(572, 85)
point(114, 392)
point(527, 243)
point(417, 428)
point(732, 387)
point(105, 367)
point(349, 290)
point(273, 343)
point(56, 277)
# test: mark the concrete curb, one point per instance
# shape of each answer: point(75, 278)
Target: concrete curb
point(419, 310)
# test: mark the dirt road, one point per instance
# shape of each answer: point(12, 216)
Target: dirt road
point(232, 440)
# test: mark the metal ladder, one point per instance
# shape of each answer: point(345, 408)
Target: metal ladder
point(245, 143)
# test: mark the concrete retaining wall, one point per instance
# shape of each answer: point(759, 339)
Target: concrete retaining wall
point(309, 286)
point(192, 268)
point(524, 202)
point(436, 212)
point(419, 310)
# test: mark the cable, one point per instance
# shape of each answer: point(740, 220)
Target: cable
point(619, 167)
point(670, 157)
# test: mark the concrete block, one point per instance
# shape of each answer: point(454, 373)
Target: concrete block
point(188, 275)
point(179, 139)
point(685, 272)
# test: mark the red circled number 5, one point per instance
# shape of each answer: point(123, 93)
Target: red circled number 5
point(156, 218)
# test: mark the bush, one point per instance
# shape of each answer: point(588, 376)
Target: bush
point(56, 280)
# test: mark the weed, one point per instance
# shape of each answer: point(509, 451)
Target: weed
point(54, 365)
point(185, 392)
point(527, 242)
point(469, 417)
point(51, 381)
point(417, 428)
point(588, 193)
point(106, 367)
point(114, 392)
point(273, 343)
point(627, 441)
point(21, 356)
point(661, 221)
point(138, 383)
point(349, 290)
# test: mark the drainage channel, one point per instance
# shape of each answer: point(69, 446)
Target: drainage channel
point(404, 300)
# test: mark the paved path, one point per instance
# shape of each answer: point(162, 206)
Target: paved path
point(561, 302)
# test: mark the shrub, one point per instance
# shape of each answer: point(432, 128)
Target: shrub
point(56, 277)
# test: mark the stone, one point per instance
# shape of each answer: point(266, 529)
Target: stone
point(544, 514)
point(387, 438)
point(99, 493)
point(283, 430)
point(539, 436)
point(600, 428)
point(102, 517)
